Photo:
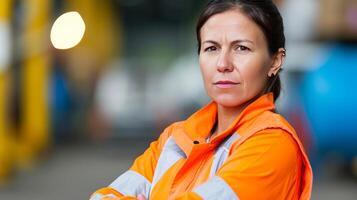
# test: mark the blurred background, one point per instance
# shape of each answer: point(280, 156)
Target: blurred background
point(73, 118)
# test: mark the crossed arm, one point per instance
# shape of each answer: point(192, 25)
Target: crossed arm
point(266, 166)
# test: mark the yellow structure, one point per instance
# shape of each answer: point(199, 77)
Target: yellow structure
point(5, 137)
point(35, 124)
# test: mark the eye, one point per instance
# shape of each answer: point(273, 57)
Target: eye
point(242, 48)
point(210, 48)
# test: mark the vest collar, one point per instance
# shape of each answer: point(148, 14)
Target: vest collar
point(198, 126)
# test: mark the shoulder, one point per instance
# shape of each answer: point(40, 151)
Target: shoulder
point(272, 138)
point(266, 125)
point(272, 120)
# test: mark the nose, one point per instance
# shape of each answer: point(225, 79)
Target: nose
point(223, 63)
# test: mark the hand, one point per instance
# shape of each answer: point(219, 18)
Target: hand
point(141, 197)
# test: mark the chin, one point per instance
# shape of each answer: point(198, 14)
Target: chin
point(229, 100)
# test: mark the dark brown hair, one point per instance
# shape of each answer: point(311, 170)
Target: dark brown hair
point(265, 14)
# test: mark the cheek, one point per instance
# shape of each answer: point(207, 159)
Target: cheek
point(207, 72)
point(206, 69)
point(206, 77)
point(250, 74)
point(254, 73)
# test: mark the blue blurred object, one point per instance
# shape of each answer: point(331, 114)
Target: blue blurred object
point(60, 106)
point(330, 97)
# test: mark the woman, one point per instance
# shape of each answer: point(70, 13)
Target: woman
point(236, 147)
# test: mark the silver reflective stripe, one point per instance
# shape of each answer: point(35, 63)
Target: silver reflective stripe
point(131, 183)
point(222, 153)
point(100, 196)
point(170, 154)
point(216, 188)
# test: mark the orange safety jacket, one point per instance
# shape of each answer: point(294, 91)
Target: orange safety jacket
point(258, 157)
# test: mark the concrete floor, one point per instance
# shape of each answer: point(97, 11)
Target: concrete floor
point(75, 171)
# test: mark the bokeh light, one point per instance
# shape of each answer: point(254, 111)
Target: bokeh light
point(68, 30)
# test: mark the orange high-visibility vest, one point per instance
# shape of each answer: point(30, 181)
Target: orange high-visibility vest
point(258, 157)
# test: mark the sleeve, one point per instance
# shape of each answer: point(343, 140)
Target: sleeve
point(266, 166)
point(137, 180)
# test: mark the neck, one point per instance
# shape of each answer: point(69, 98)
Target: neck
point(226, 116)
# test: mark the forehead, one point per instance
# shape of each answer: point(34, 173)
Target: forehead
point(231, 25)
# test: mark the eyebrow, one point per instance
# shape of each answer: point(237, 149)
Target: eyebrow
point(233, 42)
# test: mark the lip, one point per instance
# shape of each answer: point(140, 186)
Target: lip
point(225, 84)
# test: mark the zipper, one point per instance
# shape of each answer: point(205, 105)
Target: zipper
point(197, 171)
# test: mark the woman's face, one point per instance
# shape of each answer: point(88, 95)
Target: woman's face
point(234, 58)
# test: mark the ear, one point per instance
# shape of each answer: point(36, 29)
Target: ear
point(277, 62)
